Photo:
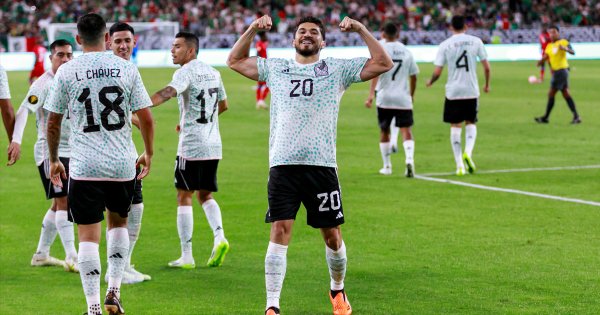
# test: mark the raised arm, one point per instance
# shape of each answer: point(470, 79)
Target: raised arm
point(239, 58)
point(147, 129)
point(163, 95)
point(369, 101)
point(53, 137)
point(8, 117)
point(486, 73)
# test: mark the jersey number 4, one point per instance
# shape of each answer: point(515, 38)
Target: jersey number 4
point(109, 106)
point(200, 97)
point(463, 61)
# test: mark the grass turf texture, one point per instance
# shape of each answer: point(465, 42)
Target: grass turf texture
point(414, 247)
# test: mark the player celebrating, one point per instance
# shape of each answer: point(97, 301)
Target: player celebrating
point(8, 114)
point(460, 52)
point(544, 39)
point(556, 54)
point(395, 100)
point(99, 91)
point(122, 42)
point(55, 219)
point(201, 97)
point(306, 93)
point(262, 90)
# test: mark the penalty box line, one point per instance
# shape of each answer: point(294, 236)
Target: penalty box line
point(513, 191)
point(517, 170)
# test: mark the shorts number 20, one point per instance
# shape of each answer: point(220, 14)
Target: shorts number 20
point(333, 198)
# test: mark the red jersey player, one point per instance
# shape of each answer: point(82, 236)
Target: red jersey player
point(38, 67)
point(544, 40)
point(262, 90)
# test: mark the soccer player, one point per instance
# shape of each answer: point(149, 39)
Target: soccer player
point(395, 92)
point(38, 66)
point(305, 100)
point(55, 219)
point(544, 39)
point(461, 52)
point(8, 113)
point(262, 90)
point(556, 55)
point(201, 97)
point(99, 91)
point(122, 42)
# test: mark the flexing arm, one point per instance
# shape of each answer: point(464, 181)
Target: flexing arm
point(239, 58)
point(8, 117)
point(371, 92)
point(53, 138)
point(163, 96)
point(437, 72)
point(147, 129)
point(14, 149)
point(222, 106)
point(486, 73)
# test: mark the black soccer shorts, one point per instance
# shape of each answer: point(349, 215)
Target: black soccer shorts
point(196, 175)
point(404, 117)
point(51, 190)
point(88, 199)
point(457, 111)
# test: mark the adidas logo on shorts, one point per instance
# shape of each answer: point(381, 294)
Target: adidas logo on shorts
point(339, 215)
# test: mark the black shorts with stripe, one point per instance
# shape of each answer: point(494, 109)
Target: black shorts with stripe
point(316, 187)
point(51, 190)
point(404, 117)
point(137, 189)
point(560, 79)
point(196, 175)
point(88, 199)
point(457, 111)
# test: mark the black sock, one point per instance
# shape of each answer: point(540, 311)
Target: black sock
point(549, 107)
point(335, 292)
point(571, 104)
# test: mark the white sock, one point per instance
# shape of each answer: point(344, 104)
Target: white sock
point(65, 231)
point(455, 134)
point(394, 135)
point(48, 233)
point(185, 228)
point(213, 216)
point(275, 265)
point(134, 224)
point(336, 260)
point(409, 151)
point(470, 136)
point(89, 271)
point(117, 248)
point(386, 151)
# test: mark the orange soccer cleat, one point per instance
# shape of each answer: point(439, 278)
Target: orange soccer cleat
point(341, 305)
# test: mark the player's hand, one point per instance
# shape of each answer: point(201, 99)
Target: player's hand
point(145, 160)
point(57, 171)
point(178, 128)
point(263, 23)
point(369, 101)
point(561, 47)
point(350, 25)
point(14, 153)
point(428, 83)
point(486, 89)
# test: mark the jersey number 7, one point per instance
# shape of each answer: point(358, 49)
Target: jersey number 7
point(200, 97)
point(399, 62)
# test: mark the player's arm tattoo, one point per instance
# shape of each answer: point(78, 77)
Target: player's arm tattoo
point(53, 134)
point(163, 95)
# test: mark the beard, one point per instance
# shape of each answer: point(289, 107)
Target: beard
point(307, 52)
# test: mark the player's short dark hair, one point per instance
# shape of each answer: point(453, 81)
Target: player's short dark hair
point(314, 20)
point(119, 27)
point(59, 43)
point(390, 30)
point(190, 39)
point(458, 22)
point(554, 26)
point(91, 28)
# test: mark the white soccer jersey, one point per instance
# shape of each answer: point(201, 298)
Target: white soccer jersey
point(460, 52)
point(199, 89)
point(34, 101)
point(4, 90)
point(393, 86)
point(305, 101)
point(99, 90)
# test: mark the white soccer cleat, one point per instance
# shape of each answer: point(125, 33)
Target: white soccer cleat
point(130, 278)
point(133, 271)
point(460, 171)
point(385, 171)
point(71, 265)
point(39, 260)
point(183, 263)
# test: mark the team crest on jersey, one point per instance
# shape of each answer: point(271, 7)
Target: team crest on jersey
point(321, 69)
point(32, 99)
point(286, 70)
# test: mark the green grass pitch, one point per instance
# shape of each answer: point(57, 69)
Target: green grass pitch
point(414, 246)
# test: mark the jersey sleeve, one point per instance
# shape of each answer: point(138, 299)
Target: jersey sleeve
point(4, 90)
point(414, 69)
point(222, 94)
point(139, 96)
point(352, 70)
point(481, 52)
point(440, 58)
point(180, 81)
point(263, 68)
point(57, 100)
point(35, 96)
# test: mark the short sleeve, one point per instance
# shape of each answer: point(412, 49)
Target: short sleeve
point(414, 69)
point(180, 81)
point(222, 94)
point(35, 96)
point(57, 100)
point(440, 59)
point(263, 68)
point(139, 96)
point(352, 69)
point(4, 90)
point(481, 53)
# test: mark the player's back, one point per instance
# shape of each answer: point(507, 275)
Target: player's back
point(101, 91)
point(393, 88)
point(461, 52)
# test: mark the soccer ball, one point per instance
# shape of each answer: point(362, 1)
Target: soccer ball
point(532, 79)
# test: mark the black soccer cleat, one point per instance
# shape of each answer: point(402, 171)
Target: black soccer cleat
point(112, 304)
point(541, 120)
point(576, 121)
point(272, 311)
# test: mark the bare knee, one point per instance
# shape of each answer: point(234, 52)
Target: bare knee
point(281, 232)
point(332, 237)
point(204, 196)
point(184, 197)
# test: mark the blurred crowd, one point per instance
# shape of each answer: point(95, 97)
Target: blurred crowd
point(205, 18)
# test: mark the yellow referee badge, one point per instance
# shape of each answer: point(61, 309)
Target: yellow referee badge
point(32, 99)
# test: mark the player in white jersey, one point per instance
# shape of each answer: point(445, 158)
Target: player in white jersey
point(201, 97)
point(395, 100)
point(56, 218)
point(122, 42)
point(99, 91)
point(460, 52)
point(305, 100)
point(8, 114)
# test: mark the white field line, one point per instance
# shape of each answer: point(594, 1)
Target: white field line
point(513, 191)
point(516, 170)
